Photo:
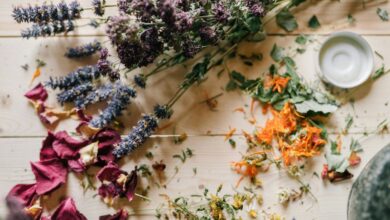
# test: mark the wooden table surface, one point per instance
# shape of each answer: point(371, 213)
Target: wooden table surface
point(21, 132)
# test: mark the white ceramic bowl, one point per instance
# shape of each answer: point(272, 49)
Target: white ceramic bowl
point(345, 60)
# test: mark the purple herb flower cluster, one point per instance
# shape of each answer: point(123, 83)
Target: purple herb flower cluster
point(84, 50)
point(72, 94)
point(145, 127)
point(105, 66)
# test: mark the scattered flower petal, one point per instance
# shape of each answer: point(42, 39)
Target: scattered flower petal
point(38, 93)
point(121, 215)
point(25, 194)
point(49, 174)
point(67, 210)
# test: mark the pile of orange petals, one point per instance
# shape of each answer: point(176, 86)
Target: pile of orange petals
point(292, 143)
point(277, 83)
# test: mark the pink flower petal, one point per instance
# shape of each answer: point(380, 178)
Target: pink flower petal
point(76, 166)
point(16, 210)
point(38, 93)
point(106, 138)
point(110, 172)
point(47, 151)
point(67, 211)
point(109, 190)
point(131, 184)
point(121, 215)
point(49, 174)
point(67, 147)
point(25, 194)
point(82, 116)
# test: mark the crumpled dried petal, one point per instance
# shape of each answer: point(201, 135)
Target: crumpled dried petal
point(121, 215)
point(25, 194)
point(131, 184)
point(38, 93)
point(67, 211)
point(67, 147)
point(108, 192)
point(49, 174)
point(107, 138)
point(76, 165)
point(109, 173)
point(86, 130)
point(47, 151)
point(88, 154)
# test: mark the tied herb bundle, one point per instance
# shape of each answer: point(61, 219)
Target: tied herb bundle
point(164, 33)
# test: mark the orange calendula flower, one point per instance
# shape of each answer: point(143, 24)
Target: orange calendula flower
point(277, 83)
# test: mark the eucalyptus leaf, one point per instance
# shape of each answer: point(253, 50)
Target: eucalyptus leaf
point(313, 106)
point(314, 23)
point(286, 20)
point(277, 53)
point(383, 14)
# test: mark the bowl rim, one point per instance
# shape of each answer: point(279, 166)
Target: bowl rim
point(367, 49)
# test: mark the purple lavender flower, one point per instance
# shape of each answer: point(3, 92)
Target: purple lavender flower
point(47, 13)
point(98, 7)
point(83, 50)
point(124, 6)
point(79, 76)
point(129, 53)
point(140, 81)
point(119, 101)
point(145, 127)
point(208, 35)
point(167, 11)
point(190, 48)
point(183, 21)
point(162, 111)
point(118, 29)
point(100, 94)
point(220, 12)
point(74, 93)
point(48, 29)
point(144, 9)
point(256, 8)
point(105, 66)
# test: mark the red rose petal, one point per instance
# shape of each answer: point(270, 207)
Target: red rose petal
point(25, 194)
point(131, 184)
point(16, 210)
point(108, 190)
point(82, 116)
point(67, 211)
point(76, 165)
point(47, 151)
point(110, 172)
point(121, 215)
point(38, 93)
point(67, 147)
point(49, 174)
point(106, 138)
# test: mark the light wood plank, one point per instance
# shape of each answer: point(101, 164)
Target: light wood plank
point(212, 158)
point(332, 15)
point(18, 118)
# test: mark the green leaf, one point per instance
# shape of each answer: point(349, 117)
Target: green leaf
point(301, 39)
point(348, 123)
point(286, 20)
point(277, 53)
point(378, 73)
point(231, 85)
point(333, 147)
point(355, 146)
point(314, 23)
point(351, 19)
point(237, 76)
point(315, 107)
point(383, 14)
point(297, 2)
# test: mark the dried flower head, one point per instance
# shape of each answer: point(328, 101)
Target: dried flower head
point(47, 29)
point(79, 76)
point(140, 80)
point(119, 101)
point(145, 127)
point(98, 7)
point(74, 93)
point(162, 111)
point(83, 50)
point(105, 66)
point(100, 94)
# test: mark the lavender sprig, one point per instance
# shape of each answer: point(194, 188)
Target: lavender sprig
point(48, 29)
point(83, 50)
point(47, 13)
point(145, 127)
point(74, 93)
point(98, 7)
point(118, 103)
point(100, 94)
point(79, 76)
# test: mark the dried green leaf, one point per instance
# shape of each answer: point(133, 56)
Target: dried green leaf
point(286, 20)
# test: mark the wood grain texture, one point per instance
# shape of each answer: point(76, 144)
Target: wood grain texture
point(16, 153)
point(21, 132)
